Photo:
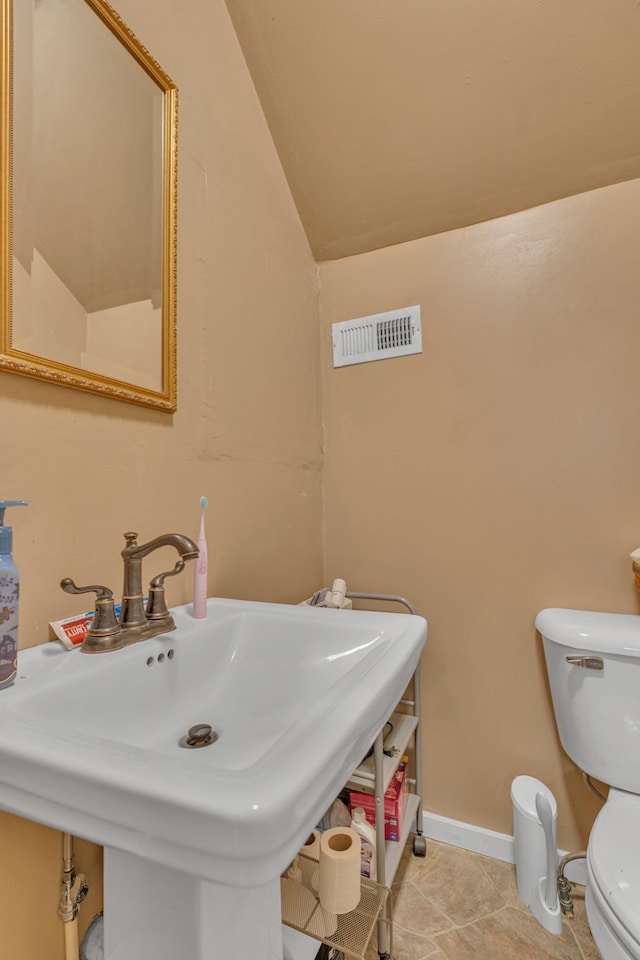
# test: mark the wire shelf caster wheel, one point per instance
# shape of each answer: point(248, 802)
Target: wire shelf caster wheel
point(419, 846)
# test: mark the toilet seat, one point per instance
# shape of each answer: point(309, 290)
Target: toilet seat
point(613, 861)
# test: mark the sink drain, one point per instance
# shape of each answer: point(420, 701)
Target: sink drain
point(201, 735)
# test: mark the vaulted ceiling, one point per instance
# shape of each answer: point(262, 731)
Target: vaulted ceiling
point(397, 119)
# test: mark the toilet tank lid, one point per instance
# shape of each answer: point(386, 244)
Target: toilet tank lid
point(617, 634)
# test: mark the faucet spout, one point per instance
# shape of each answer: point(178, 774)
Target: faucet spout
point(187, 549)
point(133, 618)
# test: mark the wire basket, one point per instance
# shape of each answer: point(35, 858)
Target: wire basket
point(354, 929)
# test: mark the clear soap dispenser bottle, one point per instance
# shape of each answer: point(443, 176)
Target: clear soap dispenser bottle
point(9, 592)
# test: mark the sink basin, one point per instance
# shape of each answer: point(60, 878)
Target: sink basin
point(296, 695)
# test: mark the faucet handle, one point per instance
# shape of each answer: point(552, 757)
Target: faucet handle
point(157, 606)
point(104, 624)
point(102, 593)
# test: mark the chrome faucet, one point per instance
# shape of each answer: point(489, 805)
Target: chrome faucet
point(136, 623)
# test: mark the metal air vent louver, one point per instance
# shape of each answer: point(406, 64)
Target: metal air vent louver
point(378, 337)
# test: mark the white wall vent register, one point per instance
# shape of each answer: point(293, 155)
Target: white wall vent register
point(393, 334)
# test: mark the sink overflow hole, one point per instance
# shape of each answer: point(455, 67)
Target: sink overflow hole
point(200, 735)
point(170, 655)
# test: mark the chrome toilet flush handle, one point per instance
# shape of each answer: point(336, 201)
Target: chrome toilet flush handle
point(590, 663)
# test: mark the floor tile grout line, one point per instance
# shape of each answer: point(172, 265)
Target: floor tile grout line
point(524, 909)
point(470, 923)
point(412, 933)
point(457, 926)
point(436, 939)
point(451, 926)
point(577, 942)
point(517, 906)
point(520, 906)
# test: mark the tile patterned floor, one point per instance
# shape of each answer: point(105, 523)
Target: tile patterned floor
point(456, 905)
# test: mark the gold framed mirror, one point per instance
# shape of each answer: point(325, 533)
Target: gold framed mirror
point(88, 183)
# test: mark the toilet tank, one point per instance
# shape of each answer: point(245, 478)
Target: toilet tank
point(597, 710)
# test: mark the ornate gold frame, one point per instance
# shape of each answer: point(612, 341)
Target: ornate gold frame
point(42, 368)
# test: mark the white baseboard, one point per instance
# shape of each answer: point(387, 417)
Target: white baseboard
point(489, 843)
point(499, 846)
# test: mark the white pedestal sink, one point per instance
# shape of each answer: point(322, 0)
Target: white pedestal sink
point(153, 911)
point(195, 839)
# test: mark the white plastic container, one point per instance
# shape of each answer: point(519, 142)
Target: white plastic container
point(535, 827)
point(9, 592)
point(360, 824)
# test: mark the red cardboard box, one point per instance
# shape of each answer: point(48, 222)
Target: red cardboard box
point(394, 803)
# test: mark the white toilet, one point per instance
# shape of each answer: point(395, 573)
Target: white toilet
point(593, 662)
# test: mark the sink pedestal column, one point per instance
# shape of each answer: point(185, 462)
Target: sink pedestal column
point(152, 912)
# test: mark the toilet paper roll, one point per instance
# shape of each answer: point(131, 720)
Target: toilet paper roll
point(339, 870)
point(311, 846)
point(309, 856)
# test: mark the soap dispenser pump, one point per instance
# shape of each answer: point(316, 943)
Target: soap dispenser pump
point(9, 592)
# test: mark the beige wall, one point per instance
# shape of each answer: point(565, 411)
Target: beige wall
point(493, 475)
point(247, 430)
point(489, 477)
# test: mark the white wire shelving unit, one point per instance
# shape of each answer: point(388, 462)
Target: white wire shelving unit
point(373, 775)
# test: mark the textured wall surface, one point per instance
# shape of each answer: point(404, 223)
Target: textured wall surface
point(493, 475)
point(247, 430)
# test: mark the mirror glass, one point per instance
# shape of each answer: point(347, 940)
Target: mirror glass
point(89, 193)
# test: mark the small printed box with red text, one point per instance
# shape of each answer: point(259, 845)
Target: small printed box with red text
point(394, 803)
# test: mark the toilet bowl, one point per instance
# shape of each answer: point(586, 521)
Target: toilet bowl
point(613, 872)
point(593, 664)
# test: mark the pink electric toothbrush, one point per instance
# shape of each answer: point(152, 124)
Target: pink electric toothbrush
point(200, 569)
